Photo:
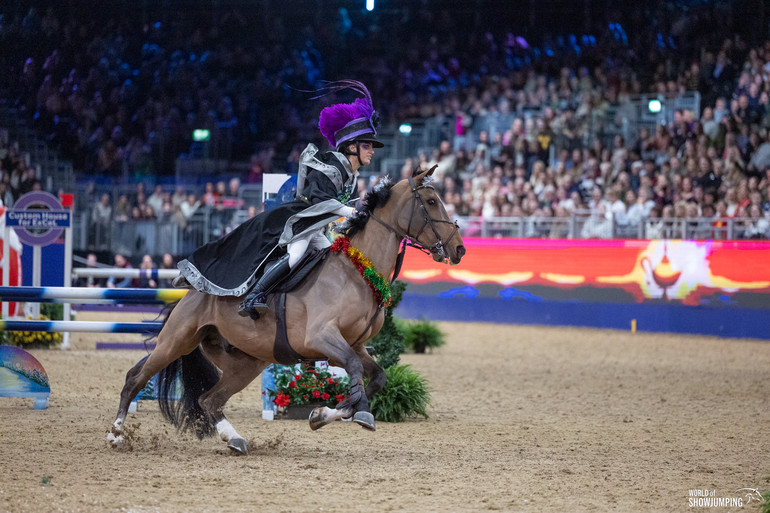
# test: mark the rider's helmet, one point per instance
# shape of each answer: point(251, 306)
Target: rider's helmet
point(344, 123)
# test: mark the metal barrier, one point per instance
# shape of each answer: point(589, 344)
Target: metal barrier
point(133, 239)
point(583, 225)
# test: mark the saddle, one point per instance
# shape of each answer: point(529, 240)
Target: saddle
point(300, 271)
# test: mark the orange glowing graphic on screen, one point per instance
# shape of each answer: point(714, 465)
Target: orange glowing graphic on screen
point(682, 270)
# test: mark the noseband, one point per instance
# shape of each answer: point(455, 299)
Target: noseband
point(439, 247)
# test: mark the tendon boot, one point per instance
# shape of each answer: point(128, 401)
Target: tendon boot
point(256, 300)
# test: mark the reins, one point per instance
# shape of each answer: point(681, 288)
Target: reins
point(407, 240)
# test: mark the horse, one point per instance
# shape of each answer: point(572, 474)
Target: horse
point(328, 316)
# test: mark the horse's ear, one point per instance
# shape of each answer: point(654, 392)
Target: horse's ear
point(419, 176)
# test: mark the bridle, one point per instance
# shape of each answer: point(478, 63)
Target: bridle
point(439, 247)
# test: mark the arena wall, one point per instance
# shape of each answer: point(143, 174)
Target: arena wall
point(707, 287)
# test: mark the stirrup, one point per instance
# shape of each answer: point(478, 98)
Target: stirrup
point(251, 306)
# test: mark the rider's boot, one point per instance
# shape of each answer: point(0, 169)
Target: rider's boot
point(256, 300)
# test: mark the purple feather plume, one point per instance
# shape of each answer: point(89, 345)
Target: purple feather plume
point(334, 117)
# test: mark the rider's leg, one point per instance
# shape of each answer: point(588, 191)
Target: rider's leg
point(257, 297)
point(256, 300)
point(296, 250)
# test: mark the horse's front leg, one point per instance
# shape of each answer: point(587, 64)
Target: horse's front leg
point(372, 371)
point(336, 349)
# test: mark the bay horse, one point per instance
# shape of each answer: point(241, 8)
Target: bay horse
point(328, 316)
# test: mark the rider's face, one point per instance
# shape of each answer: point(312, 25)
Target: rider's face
point(366, 151)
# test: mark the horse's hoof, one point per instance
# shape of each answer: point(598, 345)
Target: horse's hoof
point(317, 418)
point(324, 415)
point(238, 446)
point(116, 442)
point(366, 420)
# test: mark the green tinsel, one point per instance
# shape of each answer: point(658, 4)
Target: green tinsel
point(379, 283)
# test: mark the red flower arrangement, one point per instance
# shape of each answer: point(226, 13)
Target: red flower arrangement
point(309, 385)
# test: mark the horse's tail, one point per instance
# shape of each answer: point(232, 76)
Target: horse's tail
point(180, 385)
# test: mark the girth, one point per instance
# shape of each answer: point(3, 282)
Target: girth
point(282, 350)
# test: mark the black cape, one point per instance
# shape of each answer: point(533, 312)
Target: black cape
point(231, 265)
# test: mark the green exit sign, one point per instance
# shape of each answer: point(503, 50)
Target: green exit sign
point(201, 134)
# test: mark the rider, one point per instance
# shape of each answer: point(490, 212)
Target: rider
point(326, 183)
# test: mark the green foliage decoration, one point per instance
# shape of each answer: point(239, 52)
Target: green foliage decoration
point(54, 311)
point(388, 344)
point(422, 335)
point(405, 395)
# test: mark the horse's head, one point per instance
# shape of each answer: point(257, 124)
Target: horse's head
point(421, 216)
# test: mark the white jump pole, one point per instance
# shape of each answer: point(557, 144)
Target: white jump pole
point(106, 272)
point(67, 308)
point(37, 264)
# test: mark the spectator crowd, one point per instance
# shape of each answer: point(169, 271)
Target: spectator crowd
point(116, 92)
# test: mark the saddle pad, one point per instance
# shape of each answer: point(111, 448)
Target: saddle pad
point(309, 262)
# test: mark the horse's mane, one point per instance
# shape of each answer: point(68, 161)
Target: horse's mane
point(378, 197)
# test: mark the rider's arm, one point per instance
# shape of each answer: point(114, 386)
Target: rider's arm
point(320, 188)
point(345, 210)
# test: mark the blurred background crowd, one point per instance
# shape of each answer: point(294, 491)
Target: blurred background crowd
point(546, 119)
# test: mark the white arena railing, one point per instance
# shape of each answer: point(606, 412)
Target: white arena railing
point(106, 272)
point(158, 237)
point(583, 225)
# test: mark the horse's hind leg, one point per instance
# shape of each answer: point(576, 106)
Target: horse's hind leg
point(169, 348)
point(238, 370)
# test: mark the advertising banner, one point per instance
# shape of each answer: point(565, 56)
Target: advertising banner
point(684, 286)
point(685, 272)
